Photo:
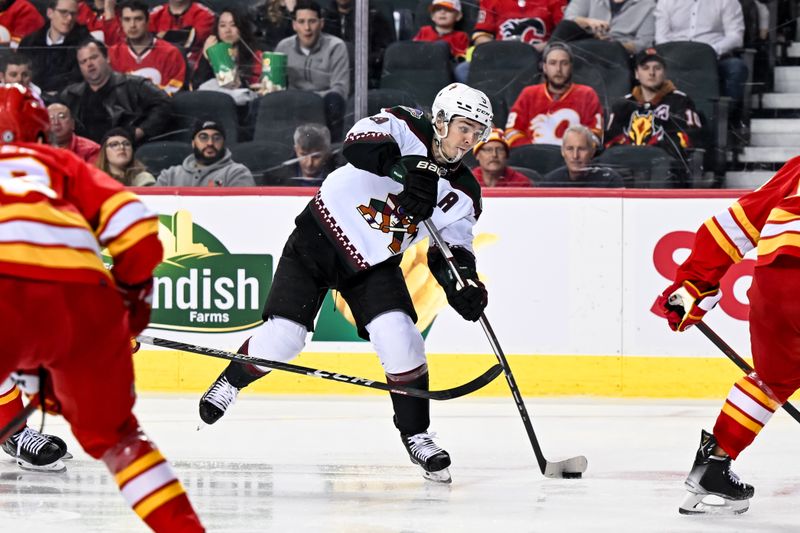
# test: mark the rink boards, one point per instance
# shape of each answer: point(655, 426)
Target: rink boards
point(571, 278)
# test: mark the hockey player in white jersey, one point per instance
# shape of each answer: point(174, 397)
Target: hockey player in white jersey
point(402, 169)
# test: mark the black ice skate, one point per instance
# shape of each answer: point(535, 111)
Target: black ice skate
point(58, 441)
point(428, 456)
point(712, 476)
point(34, 451)
point(217, 399)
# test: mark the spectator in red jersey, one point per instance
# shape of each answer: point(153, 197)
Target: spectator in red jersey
point(62, 127)
point(544, 111)
point(108, 99)
point(100, 18)
point(530, 21)
point(18, 18)
point(493, 169)
point(233, 29)
point(184, 23)
point(52, 48)
point(144, 54)
point(444, 15)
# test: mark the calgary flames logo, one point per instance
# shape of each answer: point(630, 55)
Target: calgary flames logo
point(528, 30)
point(385, 216)
point(643, 129)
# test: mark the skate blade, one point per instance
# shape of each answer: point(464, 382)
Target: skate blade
point(440, 476)
point(56, 467)
point(694, 504)
point(66, 455)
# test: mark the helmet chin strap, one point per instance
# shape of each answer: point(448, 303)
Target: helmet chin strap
point(437, 144)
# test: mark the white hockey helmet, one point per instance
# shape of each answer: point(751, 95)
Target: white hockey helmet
point(462, 100)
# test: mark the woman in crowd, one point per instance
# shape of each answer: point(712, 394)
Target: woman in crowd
point(273, 21)
point(116, 159)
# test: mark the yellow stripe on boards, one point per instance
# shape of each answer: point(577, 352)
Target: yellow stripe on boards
point(138, 466)
point(732, 412)
point(536, 375)
point(158, 498)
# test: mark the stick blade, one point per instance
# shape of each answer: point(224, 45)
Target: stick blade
point(573, 468)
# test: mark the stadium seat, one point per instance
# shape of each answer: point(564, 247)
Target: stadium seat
point(280, 113)
point(263, 158)
point(421, 69)
point(692, 67)
point(502, 69)
point(159, 155)
point(188, 106)
point(604, 66)
point(377, 99)
point(539, 157)
point(531, 174)
point(644, 167)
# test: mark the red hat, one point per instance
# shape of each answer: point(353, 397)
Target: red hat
point(496, 134)
point(23, 116)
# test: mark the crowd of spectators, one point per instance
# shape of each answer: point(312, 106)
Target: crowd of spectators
point(104, 67)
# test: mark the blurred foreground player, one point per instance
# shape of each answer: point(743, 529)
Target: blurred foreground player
point(64, 311)
point(402, 169)
point(766, 219)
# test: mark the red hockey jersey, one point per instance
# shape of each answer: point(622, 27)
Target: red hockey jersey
point(529, 21)
point(767, 219)
point(20, 19)
point(536, 118)
point(197, 19)
point(161, 63)
point(57, 213)
point(108, 31)
point(458, 40)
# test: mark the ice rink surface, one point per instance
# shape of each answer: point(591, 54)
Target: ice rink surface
point(295, 464)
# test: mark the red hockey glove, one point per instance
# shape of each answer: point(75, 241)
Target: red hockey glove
point(684, 305)
point(138, 299)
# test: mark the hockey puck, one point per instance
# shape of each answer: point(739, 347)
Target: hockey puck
point(571, 475)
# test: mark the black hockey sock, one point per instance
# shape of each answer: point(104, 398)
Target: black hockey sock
point(411, 415)
point(241, 375)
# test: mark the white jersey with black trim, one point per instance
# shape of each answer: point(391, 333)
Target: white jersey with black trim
point(358, 208)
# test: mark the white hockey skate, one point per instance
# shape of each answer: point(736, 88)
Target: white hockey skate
point(432, 459)
point(36, 452)
point(713, 488)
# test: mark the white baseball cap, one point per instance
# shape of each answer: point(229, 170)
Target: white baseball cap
point(453, 5)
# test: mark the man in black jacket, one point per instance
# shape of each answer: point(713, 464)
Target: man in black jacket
point(52, 48)
point(108, 99)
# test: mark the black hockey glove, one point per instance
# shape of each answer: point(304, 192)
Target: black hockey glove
point(420, 178)
point(470, 300)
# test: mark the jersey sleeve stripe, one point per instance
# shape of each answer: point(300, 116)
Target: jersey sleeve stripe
point(110, 208)
point(722, 239)
point(781, 215)
point(741, 217)
point(42, 212)
point(768, 245)
point(122, 219)
point(773, 230)
point(136, 233)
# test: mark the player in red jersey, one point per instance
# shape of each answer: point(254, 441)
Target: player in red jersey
point(56, 215)
point(767, 219)
point(18, 18)
point(530, 21)
point(543, 112)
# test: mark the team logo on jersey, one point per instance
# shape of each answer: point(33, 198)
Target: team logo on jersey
point(416, 113)
point(385, 216)
point(528, 30)
point(643, 129)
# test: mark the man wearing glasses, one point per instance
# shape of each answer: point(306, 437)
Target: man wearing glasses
point(52, 48)
point(62, 130)
point(209, 165)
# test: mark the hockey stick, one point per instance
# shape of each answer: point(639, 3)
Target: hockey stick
point(19, 418)
point(445, 394)
point(568, 468)
point(731, 354)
